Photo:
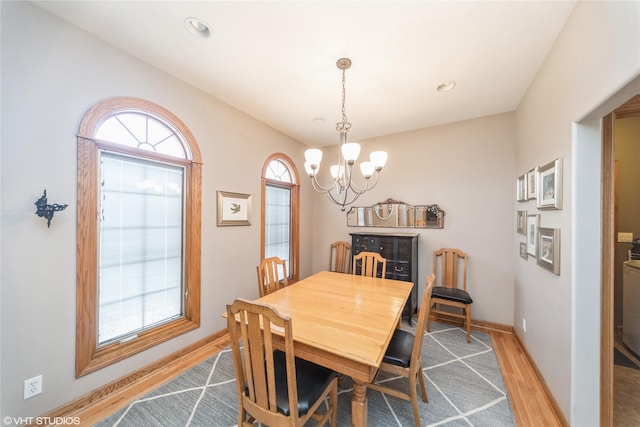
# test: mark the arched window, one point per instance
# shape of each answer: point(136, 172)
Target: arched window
point(138, 232)
point(280, 220)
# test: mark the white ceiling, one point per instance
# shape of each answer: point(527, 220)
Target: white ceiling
point(276, 60)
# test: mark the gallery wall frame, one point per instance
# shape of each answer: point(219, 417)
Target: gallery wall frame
point(521, 188)
point(549, 185)
point(532, 184)
point(523, 250)
point(533, 221)
point(549, 249)
point(521, 222)
point(233, 209)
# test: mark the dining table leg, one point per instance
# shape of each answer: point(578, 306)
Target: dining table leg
point(359, 404)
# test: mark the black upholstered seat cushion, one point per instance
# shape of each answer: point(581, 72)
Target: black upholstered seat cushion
point(451, 294)
point(399, 350)
point(312, 380)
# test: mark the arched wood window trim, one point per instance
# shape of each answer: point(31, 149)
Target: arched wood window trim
point(294, 268)
point(89, 357)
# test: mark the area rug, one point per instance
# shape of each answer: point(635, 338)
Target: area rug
point(464, 385)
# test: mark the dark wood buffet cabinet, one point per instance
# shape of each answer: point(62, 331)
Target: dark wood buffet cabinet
point(401, 253)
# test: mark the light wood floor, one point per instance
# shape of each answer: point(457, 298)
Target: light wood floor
point(529, 401)
point(529, 398)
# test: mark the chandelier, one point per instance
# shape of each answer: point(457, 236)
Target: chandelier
point(343, 190)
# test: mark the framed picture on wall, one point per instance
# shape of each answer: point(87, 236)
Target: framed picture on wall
point(521, 188)
point(523, 250)
point(234, 208)
point(549, 249)
point(532, 184)
point(550, 185)
point(521, 222)
point(533, 220)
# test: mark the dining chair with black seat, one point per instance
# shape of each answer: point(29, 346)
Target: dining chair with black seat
point(272, 275)
point(340, 257)
point(403, 356)
point(450, 266)
point(274, 387)
point(367, 263)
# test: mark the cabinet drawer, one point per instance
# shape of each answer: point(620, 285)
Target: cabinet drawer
point(399, 270)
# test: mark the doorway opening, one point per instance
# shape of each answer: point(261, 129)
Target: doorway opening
point(618, 402)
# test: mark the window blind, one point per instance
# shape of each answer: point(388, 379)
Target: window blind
point(140, 248)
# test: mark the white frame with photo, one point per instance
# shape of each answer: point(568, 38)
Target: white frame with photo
point(533, 222)
point(233, 209)
point(532, 184)
point(521, 222)
point(550, 185)
point(549, 249)
point(521, 188)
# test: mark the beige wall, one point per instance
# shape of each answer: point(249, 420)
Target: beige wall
point(52, 73)
point(466, 168)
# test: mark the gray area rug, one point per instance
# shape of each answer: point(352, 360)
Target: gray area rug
point(464, 385)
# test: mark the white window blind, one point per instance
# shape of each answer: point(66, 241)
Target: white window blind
point(277, 223)
point(140, 247)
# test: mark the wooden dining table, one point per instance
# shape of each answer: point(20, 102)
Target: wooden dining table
point(343, 322)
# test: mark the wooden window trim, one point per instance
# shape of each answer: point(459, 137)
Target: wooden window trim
point(295, 211)
point(89, 357)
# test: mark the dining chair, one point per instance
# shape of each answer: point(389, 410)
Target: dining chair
point(274, 387)
point(340, 257)
point(403, 356)
point(272, 275)
point(452, 291)
point(368, 265)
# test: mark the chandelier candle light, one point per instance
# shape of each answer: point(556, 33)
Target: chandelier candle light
point(343, 191)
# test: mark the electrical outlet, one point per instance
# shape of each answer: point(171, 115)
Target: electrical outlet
point(625, 237)
point(32, 386)
point(524, 325)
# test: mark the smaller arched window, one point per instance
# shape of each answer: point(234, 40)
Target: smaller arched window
point(138, 249)
point(281, 212)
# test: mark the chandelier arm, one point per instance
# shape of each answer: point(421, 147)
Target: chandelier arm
point(344, 201)
point(319, 188)
point(368, 184)
point(356, 188)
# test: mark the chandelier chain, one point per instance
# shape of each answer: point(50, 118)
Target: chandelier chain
point(344, 126)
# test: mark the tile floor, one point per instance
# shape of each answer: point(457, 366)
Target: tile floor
point(626, 390)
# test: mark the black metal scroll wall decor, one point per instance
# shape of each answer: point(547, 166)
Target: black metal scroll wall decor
point(45, 210)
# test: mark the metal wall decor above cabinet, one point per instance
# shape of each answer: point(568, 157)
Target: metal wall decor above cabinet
point(401, 253)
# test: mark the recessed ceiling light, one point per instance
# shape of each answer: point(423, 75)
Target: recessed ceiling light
point(197, 27)
point(445, 87)
point(318, 120)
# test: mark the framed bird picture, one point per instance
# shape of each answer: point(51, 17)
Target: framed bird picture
point(234, 209)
